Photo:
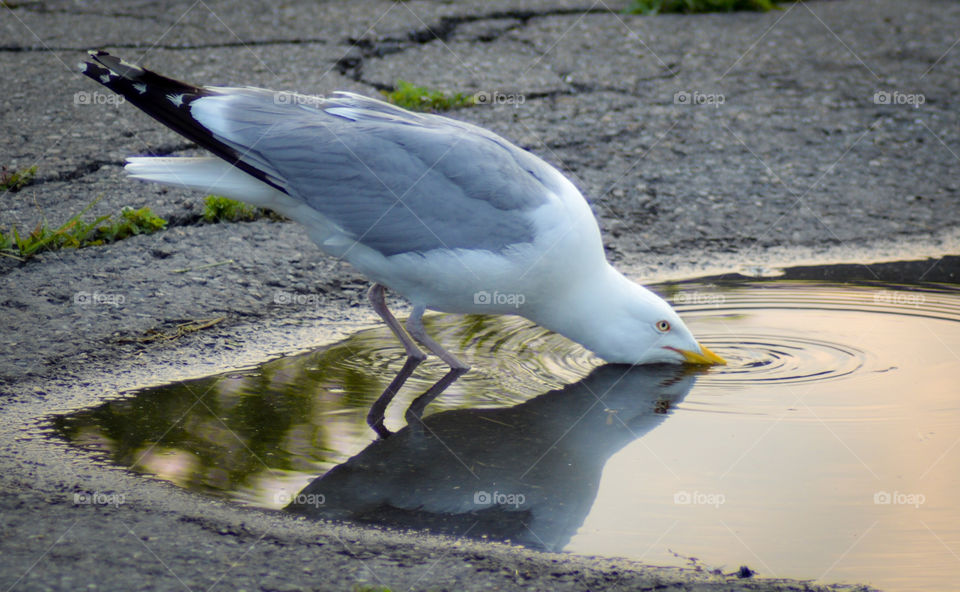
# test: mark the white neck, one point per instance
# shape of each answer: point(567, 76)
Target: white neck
point(594, 312)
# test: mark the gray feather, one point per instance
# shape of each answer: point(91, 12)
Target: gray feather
point(395, 181)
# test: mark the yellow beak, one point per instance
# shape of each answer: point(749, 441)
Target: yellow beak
point(707, 358)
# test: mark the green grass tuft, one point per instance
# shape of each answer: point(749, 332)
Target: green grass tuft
point(131, 223)
point(76, 233)
point(217, 208)
point(14, 181)
point(692, 6)
point(224, 209)
point(418, 98)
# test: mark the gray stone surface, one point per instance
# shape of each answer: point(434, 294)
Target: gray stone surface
point(797, 163)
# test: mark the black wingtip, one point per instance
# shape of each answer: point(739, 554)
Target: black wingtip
point(119, 75)
point(166, 100)
point(116, 65)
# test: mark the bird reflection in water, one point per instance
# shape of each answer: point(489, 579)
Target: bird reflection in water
point(528, 473)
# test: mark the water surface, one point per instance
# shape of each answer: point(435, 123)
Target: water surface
point(828, 448)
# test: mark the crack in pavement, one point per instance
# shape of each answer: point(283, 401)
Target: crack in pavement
point(351, 65)
point(442, 30)
point(167, 46)
point(41, 8)
point(361, 49)
point(92, 166)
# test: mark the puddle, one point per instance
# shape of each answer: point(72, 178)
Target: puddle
point(828, 448)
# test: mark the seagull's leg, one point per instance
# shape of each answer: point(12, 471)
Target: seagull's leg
point(379, 407)
point(419, 332)
point(376, 297)
point(457, 368)
point(414, 357)
point(415, 410)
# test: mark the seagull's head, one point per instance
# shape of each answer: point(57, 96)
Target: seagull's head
point(654, 333)
point(625, 323)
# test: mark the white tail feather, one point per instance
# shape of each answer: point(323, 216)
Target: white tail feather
point(210, 175)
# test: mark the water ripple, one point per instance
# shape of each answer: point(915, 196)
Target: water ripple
point(772, 358)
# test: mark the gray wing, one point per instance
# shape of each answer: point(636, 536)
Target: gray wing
point(393, 180)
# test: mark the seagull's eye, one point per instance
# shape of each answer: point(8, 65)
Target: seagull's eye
point(663, 326)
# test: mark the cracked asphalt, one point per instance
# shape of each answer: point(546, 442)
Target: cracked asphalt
point(826, 131)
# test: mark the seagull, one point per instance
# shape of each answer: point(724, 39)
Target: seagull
point(450, 216)
point(544, 456)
